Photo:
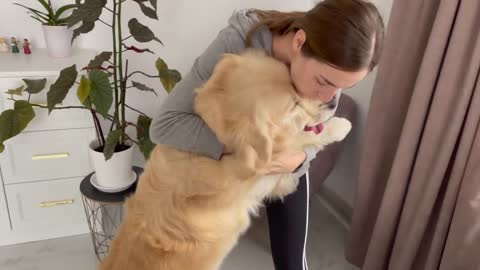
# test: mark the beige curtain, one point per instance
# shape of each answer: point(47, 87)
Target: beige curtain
point(417, 205)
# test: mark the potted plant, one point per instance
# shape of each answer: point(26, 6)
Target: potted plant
point(57, 35)
point(101, 88)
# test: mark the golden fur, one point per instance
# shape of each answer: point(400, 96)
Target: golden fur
point(189, 210)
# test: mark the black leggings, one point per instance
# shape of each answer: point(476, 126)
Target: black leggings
point(288, 221)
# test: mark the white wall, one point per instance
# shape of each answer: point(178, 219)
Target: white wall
point(343, 177)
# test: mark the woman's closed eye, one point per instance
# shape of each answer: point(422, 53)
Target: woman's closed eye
point(321, 83)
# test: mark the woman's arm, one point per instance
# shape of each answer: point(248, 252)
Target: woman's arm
point(175, 123)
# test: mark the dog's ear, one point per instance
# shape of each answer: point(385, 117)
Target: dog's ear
point(227, 62)
point(255, 52)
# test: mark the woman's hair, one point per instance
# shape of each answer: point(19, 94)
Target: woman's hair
point(347, 34)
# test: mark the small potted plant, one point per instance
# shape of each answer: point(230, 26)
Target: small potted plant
point(101, 88)
point(58, 36)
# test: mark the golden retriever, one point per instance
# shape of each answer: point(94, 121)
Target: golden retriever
point(189, 210)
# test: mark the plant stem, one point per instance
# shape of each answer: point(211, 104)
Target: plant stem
point(57, 108)
point(133, 109)
point(143, 73)
point(129, 138)
point(109, 10)
point(120, 70)
point(133, 125)
point(98, 127)
point(105, 23)
point(115, 66)
point(126, 38)
point(111, 126)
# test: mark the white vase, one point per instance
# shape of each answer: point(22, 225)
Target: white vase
point(58, 40)
point(115, 172)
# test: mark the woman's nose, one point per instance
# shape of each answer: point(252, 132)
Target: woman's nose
point(326, 95)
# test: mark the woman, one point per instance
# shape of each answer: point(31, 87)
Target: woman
point(331, 47)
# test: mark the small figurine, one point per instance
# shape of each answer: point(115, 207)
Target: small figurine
point(14, 45)
point(3, 45)
point(26, 46)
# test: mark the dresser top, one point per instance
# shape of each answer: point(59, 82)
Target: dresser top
point(39, 63)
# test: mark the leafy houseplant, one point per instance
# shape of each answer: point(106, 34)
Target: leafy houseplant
point(49, 16)
point(102, 85)
point(54, 26)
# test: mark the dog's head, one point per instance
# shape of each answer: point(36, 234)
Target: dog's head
point(262, 70)
point(316, 111)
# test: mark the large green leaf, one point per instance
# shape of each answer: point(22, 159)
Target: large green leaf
point(101, 92)
point(47, 7)
point(59, 90)
point(83, 29)
point(35, 86)
point(62, 9)
point(13, 121)
point(140, 32)
point(143, 135)
point(154, 4)
point(168, 77)
point(112, 140)
point(149, 12)
point(16, 91)
point(99, 59)
point(143, 87)
point(83, 89)
point(89, 11)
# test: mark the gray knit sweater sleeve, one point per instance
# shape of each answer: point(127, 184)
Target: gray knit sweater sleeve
point(175, 123)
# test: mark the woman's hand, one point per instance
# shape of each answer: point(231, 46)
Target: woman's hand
point(286, 162)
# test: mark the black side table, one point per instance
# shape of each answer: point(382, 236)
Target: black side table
point(104, 212)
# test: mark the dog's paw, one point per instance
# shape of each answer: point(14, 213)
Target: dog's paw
point(337, 128)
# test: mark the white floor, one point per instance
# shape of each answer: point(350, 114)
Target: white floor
point(326, 245)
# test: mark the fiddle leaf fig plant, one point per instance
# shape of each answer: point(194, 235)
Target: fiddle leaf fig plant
point(101, 86)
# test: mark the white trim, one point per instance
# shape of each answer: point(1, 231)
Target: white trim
point(305, 264)
point(333, 210)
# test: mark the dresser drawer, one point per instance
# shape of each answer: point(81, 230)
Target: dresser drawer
point(58, 119)
point(46, 206)
point(45, 155)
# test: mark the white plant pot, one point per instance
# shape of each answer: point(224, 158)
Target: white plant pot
point(115, 172)
point(58, 40)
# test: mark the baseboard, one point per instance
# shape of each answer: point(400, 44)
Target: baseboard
point(335, 205)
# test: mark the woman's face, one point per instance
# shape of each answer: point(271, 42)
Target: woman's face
point(317, 80)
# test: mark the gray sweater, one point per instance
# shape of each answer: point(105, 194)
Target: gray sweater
point(175, 124)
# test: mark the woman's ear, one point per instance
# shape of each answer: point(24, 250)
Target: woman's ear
point(298, 40)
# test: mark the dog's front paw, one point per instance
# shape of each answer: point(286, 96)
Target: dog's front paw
point(337, 128)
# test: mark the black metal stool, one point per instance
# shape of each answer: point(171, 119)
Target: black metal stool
point(104, 212)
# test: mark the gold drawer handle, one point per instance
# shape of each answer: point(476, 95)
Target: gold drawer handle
point(56, 203)
point(51, 156)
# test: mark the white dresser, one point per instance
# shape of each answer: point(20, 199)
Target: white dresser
point(41, 168)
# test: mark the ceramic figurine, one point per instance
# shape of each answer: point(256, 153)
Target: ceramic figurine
point(3, 45)
point(14, 45)
point(26, 46)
